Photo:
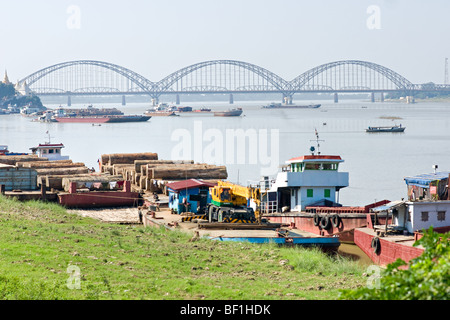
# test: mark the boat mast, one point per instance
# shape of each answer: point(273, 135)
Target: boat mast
point(318, 144)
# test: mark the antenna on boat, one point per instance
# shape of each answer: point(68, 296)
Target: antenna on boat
point(48, 136)
point(312, 149)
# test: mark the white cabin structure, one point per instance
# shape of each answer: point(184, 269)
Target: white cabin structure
point(305, 181)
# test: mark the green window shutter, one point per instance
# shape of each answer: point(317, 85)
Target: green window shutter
point(309, 193)
point(327, 193)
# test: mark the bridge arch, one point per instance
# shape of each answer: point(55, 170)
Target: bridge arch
point(233, 75)
point(76, 77)
point(342, 75)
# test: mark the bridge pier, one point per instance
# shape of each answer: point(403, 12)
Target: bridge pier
point(69, 101)
point(372, 97)
point(178, 99)
point(287, 99)
point(124, 102)
point(336, 98)
point(382, 97)
point(231, 98)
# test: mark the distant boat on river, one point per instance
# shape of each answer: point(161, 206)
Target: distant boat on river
point(395, 128)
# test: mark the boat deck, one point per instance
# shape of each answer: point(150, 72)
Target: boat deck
point(229, 232)
point(407, 240)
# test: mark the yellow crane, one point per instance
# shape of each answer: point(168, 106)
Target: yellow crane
point(234, 203)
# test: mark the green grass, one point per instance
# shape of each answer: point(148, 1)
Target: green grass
point(39, 242)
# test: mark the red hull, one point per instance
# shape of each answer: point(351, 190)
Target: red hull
point(388, 252)
point(82, 119)
point(75, 199)
point(305, 221)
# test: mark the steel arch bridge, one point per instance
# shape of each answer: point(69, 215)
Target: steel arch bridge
point(91, 77)
point(350, 76)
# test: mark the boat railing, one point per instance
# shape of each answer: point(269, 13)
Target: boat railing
point(268, 207)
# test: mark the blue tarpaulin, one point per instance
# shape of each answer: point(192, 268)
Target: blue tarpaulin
point(424, 180)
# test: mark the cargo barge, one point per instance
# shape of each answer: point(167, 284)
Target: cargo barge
point(103, 119)
point(291, 106)
point(229, 113)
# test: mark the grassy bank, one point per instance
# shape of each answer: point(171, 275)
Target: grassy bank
point(41, 246)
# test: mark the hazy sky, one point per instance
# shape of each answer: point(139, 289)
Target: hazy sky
point(288, 37)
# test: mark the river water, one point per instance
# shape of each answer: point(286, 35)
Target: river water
point(261, 140)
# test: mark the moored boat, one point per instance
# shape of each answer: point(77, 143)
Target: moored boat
point(305, 195)
point(161, 110)
point(229, 113)
point(396, 128)
point(427, 205)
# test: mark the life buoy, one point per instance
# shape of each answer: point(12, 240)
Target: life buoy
point(316, 220)
point(325, 222)
point(375, 244)
point(336, 220)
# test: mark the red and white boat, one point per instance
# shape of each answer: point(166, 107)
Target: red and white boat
point(305, 195)
point(428, 205)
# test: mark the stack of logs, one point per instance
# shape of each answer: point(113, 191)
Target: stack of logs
point(147, 173)
point(51, 173)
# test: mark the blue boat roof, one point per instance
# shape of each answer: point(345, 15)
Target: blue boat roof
point(424, 180)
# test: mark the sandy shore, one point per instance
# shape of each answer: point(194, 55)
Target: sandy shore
point(111, 215)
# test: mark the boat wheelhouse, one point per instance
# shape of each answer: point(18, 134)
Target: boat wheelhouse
point(306, 181)
point(49, 151)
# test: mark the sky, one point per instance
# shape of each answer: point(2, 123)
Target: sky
point(288, 37)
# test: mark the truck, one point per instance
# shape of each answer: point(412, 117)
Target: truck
point(233, 203)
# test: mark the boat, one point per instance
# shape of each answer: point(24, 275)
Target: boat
point(161, 110)
point(102, 119)
point(427, 205)
point(305, 195)
point(5, 152)
point(90, 115)
point(396, 128)
point(51, 151)
point(229, 113)
point(290, 106)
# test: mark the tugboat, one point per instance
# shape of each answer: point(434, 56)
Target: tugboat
point(305, 195)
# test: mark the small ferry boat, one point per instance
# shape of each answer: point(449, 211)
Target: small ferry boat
point(396, 128)
point(229, 113)
point(290, 106)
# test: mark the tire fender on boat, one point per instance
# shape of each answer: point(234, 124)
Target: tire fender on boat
point(375, 244)
point(325, 222)
point(316, 220)
point(336, 220)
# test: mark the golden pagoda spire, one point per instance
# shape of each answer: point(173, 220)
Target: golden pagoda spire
point(5, 79)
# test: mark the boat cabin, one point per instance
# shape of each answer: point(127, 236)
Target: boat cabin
point(49, 151)
point(428, 204)
point(3, 149)
point(305, 181)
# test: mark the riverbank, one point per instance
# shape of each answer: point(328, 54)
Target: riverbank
point(42, 245)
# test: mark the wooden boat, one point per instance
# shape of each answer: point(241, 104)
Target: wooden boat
point(229, 113)
point(395, 128)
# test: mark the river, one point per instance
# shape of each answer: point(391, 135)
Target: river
point(377, 162)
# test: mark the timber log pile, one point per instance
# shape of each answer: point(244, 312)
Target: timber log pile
point(52, 172)
point(147, 173)
point(11, 160)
